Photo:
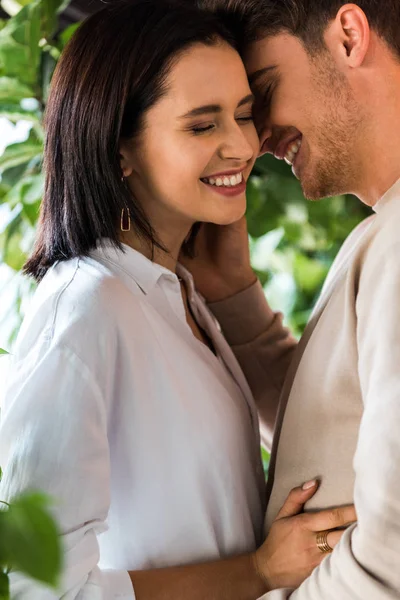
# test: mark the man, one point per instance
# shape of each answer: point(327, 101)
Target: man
point(326, 76)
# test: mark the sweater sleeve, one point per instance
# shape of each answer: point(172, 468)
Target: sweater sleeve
point(53, 437)
point(365, 565)
point(263, 347)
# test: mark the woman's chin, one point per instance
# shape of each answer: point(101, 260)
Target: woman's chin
point(227, 217)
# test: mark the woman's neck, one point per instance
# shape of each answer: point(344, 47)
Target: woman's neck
point(172, 243)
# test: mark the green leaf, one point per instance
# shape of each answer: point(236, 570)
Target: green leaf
point(2, 351)
point(11, 177)
point(268, 164)
point(265, 459)
point(14, 60)
point(31, 537)
point(47, 69)
point(19, 154)
point(19, 44)
point(14, 113)
point(264, 247)
point(67, 34)
point(11, 239)
point(28, 190)
point(51, 10)
point(13, 90)
point(4, 189)
point(14, 256)
point(12, 7)
point(4, 586)
point(309, 273)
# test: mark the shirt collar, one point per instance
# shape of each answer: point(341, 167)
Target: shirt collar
point(393, 192)
point(134, 264)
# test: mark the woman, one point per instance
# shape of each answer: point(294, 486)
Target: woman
point(125, 403)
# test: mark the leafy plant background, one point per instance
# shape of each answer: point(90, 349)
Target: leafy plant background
point(29, 540)
point(293, 241)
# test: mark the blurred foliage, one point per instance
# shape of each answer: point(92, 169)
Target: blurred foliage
point(29, 541)
point(293, 241)
point(28, 55)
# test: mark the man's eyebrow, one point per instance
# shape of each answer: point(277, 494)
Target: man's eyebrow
point(254, 76)
point(214, 108)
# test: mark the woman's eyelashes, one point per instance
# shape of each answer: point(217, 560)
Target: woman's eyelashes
point(201, 128)
point(198, 129)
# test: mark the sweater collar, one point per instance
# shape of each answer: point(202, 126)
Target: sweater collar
point(391, 194)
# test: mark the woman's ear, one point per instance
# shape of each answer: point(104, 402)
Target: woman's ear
point(126, 159)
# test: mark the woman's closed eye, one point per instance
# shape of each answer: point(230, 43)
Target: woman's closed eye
point(198, 129)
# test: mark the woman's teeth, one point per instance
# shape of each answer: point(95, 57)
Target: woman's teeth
point(226, 181)
point(292, 151)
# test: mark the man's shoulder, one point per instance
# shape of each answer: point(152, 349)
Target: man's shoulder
point(377, 258)
point(382, 237)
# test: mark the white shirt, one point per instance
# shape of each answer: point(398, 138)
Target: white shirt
point(146, 439)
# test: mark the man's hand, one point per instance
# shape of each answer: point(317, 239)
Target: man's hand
point(221, 267)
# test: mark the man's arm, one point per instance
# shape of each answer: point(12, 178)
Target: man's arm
point(365, 565)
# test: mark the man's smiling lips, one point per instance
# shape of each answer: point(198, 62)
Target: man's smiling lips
point(288, 148)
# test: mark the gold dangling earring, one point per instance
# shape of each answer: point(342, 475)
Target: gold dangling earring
point(125, 219)
point(125, 215)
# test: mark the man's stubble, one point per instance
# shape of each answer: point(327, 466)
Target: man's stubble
point(335, 163)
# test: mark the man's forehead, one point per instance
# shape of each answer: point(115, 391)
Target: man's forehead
point(266, 55)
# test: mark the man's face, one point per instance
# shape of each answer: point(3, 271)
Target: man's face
point(305, 113)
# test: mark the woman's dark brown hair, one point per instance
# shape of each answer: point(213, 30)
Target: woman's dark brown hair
point(113, 70)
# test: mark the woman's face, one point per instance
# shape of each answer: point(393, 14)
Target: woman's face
point(198, 145)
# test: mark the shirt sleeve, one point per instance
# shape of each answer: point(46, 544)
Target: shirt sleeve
point(365, 565)
point(53, 437)
point(263, 347)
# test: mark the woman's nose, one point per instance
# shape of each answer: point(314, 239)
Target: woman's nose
point(237, 144)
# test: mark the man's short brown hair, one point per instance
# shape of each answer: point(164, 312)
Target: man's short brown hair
point(306, 19)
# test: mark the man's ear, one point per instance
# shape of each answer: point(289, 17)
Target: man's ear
point(125, 159)
point(348, 36)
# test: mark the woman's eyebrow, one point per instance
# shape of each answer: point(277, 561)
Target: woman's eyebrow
point(246, 100)
point(213, 108)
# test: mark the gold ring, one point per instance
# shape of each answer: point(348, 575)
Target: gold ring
point(322, 541)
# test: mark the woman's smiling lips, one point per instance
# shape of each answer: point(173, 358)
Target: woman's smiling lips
point(228, 183)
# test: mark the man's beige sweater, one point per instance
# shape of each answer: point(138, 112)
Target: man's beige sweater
point(339, 413)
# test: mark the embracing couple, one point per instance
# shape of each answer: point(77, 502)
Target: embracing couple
point(149, 359)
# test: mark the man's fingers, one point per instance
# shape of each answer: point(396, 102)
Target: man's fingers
point(330, 518)
point(296, 499)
